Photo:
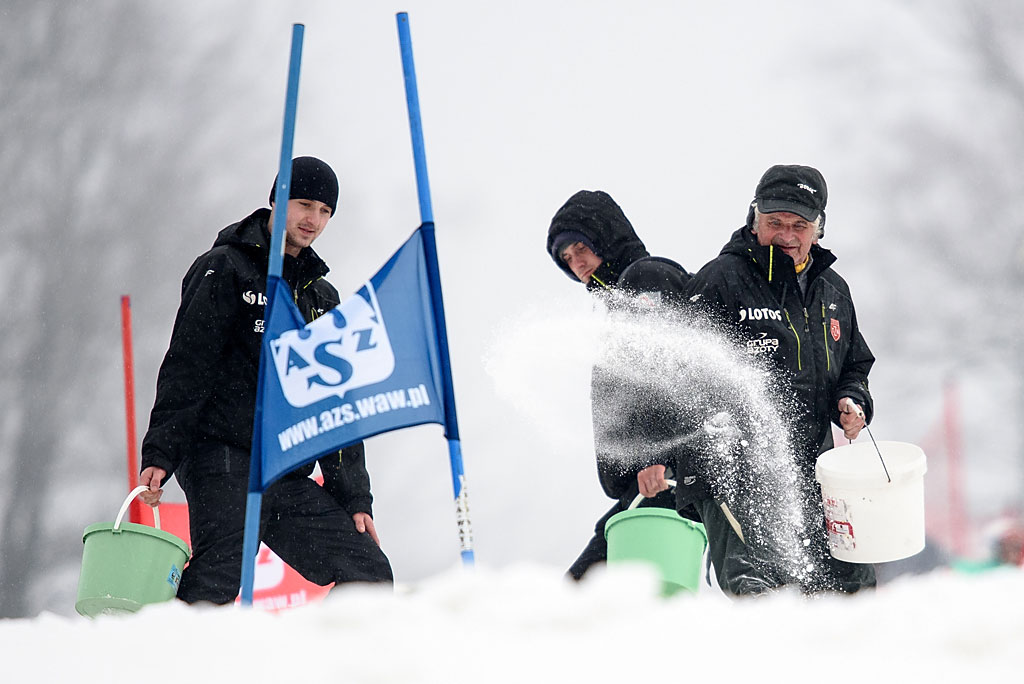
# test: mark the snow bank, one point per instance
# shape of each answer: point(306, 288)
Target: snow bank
point(528, 624)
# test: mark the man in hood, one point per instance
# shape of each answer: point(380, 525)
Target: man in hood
point(773, 289)
point(591, 241)
point(200, 429)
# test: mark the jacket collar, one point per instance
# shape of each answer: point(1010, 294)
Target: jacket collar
point(773, 263)
point(252, 235)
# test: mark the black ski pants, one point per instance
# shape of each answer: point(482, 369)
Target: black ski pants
point(299, 521)
point(741, 573)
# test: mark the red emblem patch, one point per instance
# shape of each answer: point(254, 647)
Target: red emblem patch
point(834, 329)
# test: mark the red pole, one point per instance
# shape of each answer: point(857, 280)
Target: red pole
point(957, 511)
point(135, 512)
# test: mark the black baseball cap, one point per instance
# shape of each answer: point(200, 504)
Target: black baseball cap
point(800, 190)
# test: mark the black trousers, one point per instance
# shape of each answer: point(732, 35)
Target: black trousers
point(299, 520)
point(740, 572)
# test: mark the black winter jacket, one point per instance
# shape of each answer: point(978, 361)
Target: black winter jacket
point(206, 388)
point(814, 338)
point(626, 269)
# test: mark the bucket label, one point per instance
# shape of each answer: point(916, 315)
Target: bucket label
point(837, 522)
point(174, 577)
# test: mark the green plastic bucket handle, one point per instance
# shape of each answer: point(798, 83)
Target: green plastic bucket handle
point(641, 497)
point(725, 509)
point(127, 502)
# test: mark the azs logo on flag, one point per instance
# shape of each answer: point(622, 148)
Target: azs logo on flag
point(347, 348)
point(368, 366)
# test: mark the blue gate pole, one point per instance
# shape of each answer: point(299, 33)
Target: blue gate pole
point(434, 279)
point(254, 500)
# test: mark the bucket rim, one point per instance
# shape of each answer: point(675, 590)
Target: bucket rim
point(654, 512)
point(906, 471)
point(135, 528)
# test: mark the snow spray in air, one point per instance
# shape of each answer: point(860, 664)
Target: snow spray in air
point(670, 388)
point(666, 388)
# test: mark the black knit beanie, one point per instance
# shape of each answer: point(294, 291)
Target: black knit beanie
point(569, 237)
point(312, 179)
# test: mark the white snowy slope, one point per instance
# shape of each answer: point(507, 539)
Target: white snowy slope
point(528, 624)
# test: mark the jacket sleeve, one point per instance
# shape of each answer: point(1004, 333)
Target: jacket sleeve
point(208, 311)
point(630, 431)
point(707, 296)
point(609, 435)
point(853, 379)
point(347, 480)
point(630, 425)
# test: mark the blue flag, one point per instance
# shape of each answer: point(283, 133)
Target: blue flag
point(368, 366)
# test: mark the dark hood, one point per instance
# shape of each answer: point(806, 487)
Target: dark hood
point(251, 233)
point(596, 215)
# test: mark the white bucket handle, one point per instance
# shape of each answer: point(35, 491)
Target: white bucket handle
point(851, 404)
point(127, 502)
point(641, 497)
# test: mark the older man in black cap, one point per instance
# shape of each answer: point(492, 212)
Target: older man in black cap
point(774, 289)
point(201, 426)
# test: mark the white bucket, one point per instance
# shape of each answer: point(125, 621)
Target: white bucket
point(868, 518)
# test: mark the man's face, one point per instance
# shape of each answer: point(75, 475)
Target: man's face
point(305, 221)
point(580, 260)
point(790, 233)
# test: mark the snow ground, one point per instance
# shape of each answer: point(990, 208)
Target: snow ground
point(528, 624)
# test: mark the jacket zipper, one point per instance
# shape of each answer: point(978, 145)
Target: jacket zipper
point(789, 322)
point(295, 296)
point(799, 363)
point(824, 330)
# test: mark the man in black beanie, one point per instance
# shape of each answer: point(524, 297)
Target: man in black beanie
point(200, 429)
point(591, 240)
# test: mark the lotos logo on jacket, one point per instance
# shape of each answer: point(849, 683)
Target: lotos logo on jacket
point(250, 297)
point(345, 349)
point(763, 314)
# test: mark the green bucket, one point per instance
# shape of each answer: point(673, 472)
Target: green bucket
point(662, 538)
point(126, 566)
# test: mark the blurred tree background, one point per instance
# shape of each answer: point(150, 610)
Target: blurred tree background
point(936, 143)
point(108, 115)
